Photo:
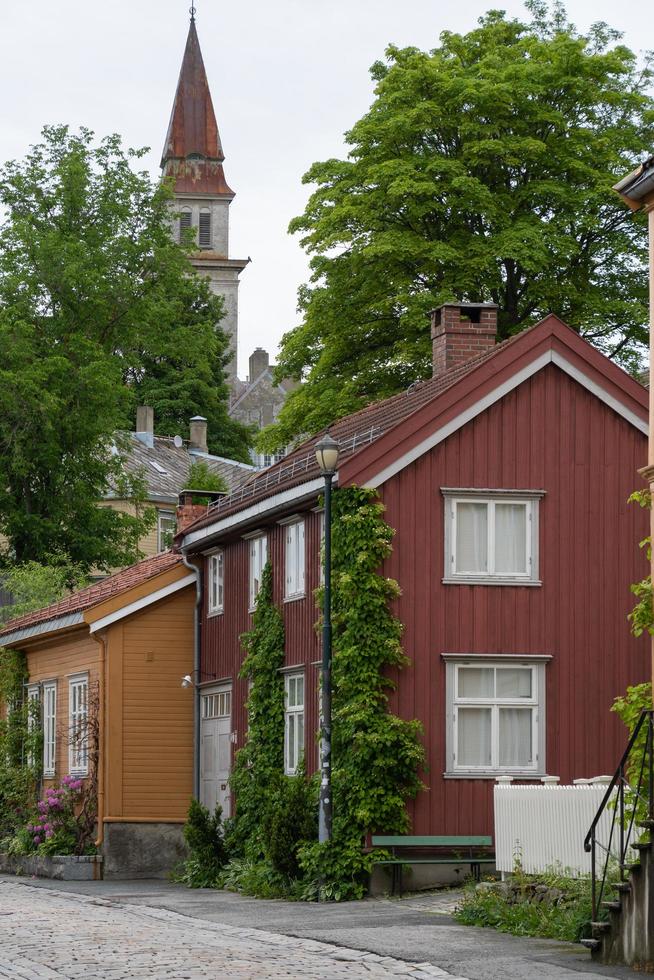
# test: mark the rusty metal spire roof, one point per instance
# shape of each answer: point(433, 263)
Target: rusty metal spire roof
point(193, 153)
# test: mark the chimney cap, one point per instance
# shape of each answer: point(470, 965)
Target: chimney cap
point(198, 418)
point(466, 306)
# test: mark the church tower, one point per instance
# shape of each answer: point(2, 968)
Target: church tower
point(193, 159)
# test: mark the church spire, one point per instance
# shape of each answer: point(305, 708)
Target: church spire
point(193, 153)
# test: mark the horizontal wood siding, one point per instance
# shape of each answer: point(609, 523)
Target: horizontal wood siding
point(74, 653)
point(549, 434)
point(157, 712)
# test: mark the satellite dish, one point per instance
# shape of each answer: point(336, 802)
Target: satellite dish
point(178, 442)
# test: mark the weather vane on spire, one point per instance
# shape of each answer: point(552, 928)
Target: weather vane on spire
point(192, 11)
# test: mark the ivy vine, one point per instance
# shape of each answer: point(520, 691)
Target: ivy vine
point(259, 765)
point(376, 756)
point(20, 744)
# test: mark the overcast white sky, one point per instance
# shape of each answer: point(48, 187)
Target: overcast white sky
point(288, 77)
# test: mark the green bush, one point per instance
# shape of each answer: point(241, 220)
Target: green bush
point(290, 820)
point(207, 853)
point(566, 918)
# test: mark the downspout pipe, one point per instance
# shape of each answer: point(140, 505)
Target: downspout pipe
point(197, 654)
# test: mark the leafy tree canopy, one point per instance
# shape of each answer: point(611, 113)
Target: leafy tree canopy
point(34, 584)
point(99, 311)
point(482, 171)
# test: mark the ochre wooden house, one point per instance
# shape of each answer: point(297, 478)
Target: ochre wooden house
point(113, 656)
point(506, 478)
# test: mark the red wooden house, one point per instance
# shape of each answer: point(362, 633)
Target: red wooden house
point(506, 478)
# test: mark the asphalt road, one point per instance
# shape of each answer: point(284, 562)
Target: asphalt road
point(415, 928)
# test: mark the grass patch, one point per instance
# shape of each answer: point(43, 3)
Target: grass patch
point(552, 906)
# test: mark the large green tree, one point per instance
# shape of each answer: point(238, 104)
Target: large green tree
point(482, 171)
point(99, 309)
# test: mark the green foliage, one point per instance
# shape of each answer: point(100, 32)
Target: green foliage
point(203, 834)
point(20, 744)
point(629, 708)
point(376, 756)
point(567, 918)
point(99, 310)
point(290, 821)
point(641, 616)
point(35, 584)
point(258, 878)
point(259, 766)
point(482, 171)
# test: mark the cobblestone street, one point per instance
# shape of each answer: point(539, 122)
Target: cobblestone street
point(51, 935)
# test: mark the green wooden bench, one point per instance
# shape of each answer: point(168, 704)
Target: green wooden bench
point(401, 846)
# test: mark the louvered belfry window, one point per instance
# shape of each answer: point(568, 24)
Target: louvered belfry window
point(204, 237)
point(185, 222)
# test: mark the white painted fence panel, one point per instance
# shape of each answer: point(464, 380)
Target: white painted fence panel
point(545, 826)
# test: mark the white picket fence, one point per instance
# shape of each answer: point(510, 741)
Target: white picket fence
point(545, 826)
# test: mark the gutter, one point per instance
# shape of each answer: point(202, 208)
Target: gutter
point(197, 652)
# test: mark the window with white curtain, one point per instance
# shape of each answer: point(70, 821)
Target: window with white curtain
point(216, 583)
point(258, 558)
point(49, 691)
point(78, 707)
point(293, 722)
point(495, 716)
point(491, 538)
point(294, 560)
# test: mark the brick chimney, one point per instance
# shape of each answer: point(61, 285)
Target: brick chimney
point(198, 438)
point(193, 504)
point(145, 425)
point(460, 331)
point(259, 362)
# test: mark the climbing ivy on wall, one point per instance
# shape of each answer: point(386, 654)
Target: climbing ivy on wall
point(20, 743)
point(259, 765)
point(376, 756)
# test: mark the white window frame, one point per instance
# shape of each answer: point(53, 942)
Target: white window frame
point(537, 664)
point(49, 693)
point(78, 717)
point(294, 559)
point(33, 694)
point(216, 583)
point(293, 746)
point(217, 704)
point(529, 498)
point(258, 546)
point(164, 515)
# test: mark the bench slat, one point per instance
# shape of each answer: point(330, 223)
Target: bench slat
point(451, 860)
point(432, 841)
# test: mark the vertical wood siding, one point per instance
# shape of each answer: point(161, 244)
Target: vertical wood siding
point(549, 434)
point(151, 740)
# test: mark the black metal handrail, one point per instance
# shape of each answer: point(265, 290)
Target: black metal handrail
point(639, 802)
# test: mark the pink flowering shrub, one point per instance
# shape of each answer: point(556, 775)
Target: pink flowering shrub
point(55, 829)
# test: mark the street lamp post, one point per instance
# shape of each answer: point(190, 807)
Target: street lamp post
point(327, 456)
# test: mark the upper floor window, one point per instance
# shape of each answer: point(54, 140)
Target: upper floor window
point(78, 707)
point(496, 715)
point(49, 690)
point(258, 558)
point(293, 722)
point(216, 582)
point(491, 537)
point(204, 230)
point(166, 527)
point(33, 714)
point(294, 560)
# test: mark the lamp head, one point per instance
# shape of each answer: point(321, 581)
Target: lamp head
point(187, 680)
point(327, 450)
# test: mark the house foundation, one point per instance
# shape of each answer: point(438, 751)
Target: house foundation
point(142, 850)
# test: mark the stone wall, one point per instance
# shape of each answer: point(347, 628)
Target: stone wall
point(142, 850)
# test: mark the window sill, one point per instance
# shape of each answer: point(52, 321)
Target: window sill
point(295, 597)
point(478, 580)
point(495, 773)
point(215, 612)
point(78, 773)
